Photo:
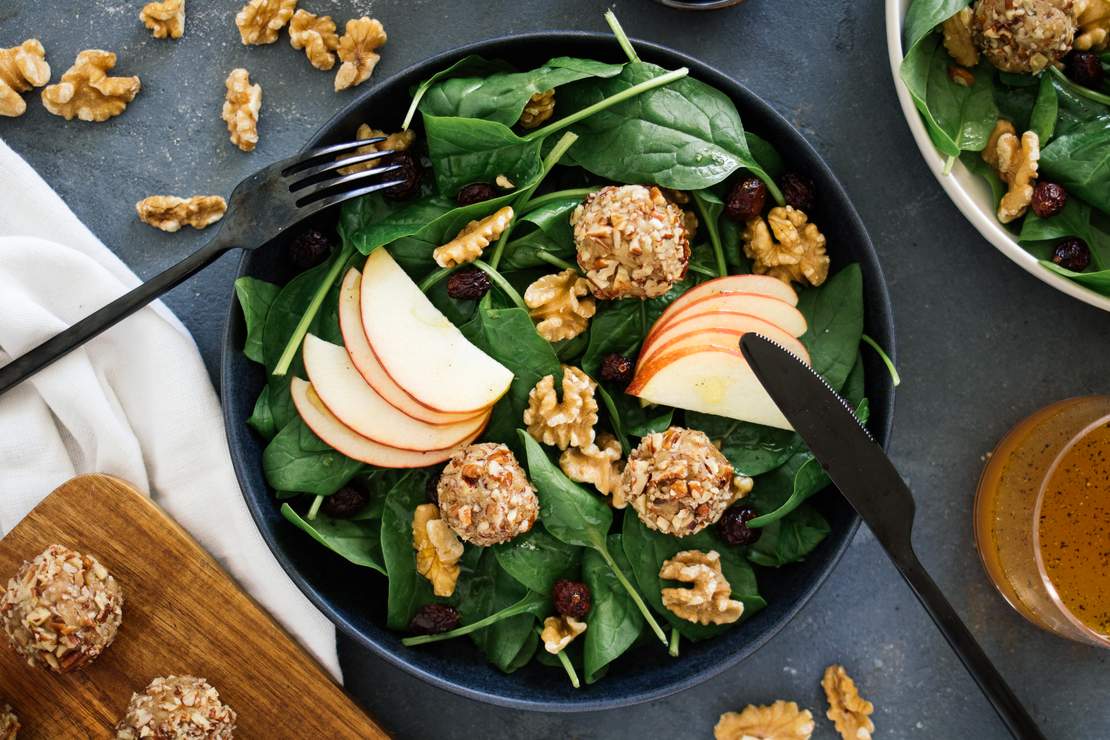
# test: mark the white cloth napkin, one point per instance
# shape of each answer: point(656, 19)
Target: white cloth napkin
point(135, 402)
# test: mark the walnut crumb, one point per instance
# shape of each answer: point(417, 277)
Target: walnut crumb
point(467, 246)
point(241, 108)
point(559, 304)
point(539, 108)
point(558, 632)
point(21, 68)
point(797, 251)
point(850, 712)
point(438, 549)
point(170, 213)
point(566, 423)
point(1015, 161)
point(166, 20)
point(708, 600)
point(316, 35)
point(598, 464)
point(87, 92)
point(783, 720)
point(357, 51)
point(260, 21)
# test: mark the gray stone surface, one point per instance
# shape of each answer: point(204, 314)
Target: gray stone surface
point(980, 342)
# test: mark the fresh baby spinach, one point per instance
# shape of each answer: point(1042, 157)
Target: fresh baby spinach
point(255, 297)
point(467, 150)
point(298, 460)
point(261, 419)
point(1042, 119)
point(1080, 161)
point(1098, 281)
point(834, 315)
point(468, 66)
point(536, 559)
point(925, 15)
point(499, 614)
point(357, 541)
point(620, 326)
point(614, 623)
point(753, 449)
point(789, 539)
point(408, 590)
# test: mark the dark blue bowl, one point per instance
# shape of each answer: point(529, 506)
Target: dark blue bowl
point(354, 598)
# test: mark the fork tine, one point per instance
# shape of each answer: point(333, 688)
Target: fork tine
point(307, 193)
point(318, 205)
point(294, 163)
point(303, 175)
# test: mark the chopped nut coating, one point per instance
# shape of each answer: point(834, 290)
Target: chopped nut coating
point(87, 92)
point(797, 251)
point(241, 108)
point(170, 213)
point(473, 238)
point(357, 51)
point(782, 720)
point(598, 464)
point(166, 20)
point(558, 632)
point(437, 549)
point(1024, 35)
point(559, 306)
point(316, 35)
point(397, 142)
point(260, 21)
point(485, 496)
point(1094, 25)
point(566, 423)
point(708, 600)
point(21, 68)
point(1015, 160)
point(179, 707)
point(958, 41)
point(539, 108)
point(850, 712)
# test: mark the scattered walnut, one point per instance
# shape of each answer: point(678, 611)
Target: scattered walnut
point(357, 51)
point(170, 213)
point(397, 142)
point(1094, 25)
point(467, 246)
point(1016, 163)
point(539, 108)
point(598, 464)
point(798, 254)
point(707, 601)
point(783, 720)
point(558, 632)
point(164, 19)
point(569, 423)
point(241, 109)
point(847, 709)
point(316, 35)
point(958, 41)
point(558, 306)
point(438, 549)
point(21, 68)
point(87, 92)
point(260, 21)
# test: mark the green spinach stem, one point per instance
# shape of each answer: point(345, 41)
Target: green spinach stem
point(714, 234)
point(1085, 92)
point(565, 662)
point(294, 344)
point(542, 200)
point(673, 650)
point(520, 607)
point(499, 280)
point(429, 282)
point(633, 593)
point(622, 37)
point(894, 376)
point(315, 508)
point(948, 164)
point(551, 259)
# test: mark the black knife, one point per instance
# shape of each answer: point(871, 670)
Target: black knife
point(866, 477)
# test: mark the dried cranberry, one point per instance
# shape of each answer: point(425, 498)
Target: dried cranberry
point(733, 525)
point(746, 200)
point(1072, 254)
point(409, 172)
point(309, 249)
point(431, 490)
point(572, 598)
point(1048, 198)
point(344, 503)
point(475, 192)
point(798, 191)
point(431, 619)
point(616, 368)
point(468, 284)
point(1084, 68)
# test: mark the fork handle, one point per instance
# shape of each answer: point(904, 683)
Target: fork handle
point(1009, 708)
point(23, 367)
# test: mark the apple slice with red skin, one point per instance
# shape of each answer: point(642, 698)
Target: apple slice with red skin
point(345, 441)
point(718, 330)
point(753, 284)
point(366, 362)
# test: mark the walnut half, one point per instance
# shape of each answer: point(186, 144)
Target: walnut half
point(397, 142)
point(560, 306)
point(1015, 160)
point(598, 464)
point(1094, 24)
point(241, 108)
point(438, 549)
point(797, 251)
point(558, 632)
point(566, 423)
point(849, 711)
point(170, 213)
point(958, 41)
point(87, 92)
point(539, 108)
point(708, 600)
point(166, 20)
point(21, 68)
point(260, 21)
point(358, 52)
point(783, 720)
point(473, 238)
point(316, 35)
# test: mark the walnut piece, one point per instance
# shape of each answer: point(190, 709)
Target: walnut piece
point(958, 41)
point(797, 251)
point(558, 632)
point(598, 464)
point(316, 35)
point(397, 142)
point(438, 549)
point(1015, 160)
point(847, 709)
point(558, 305)
point(783, 720)
point(166, 20)
point(260, 21)
point(566, 423)
point(170, 213)
point(87, 92)
point(241, 108)
point(539, 108)
point(9, 723)
point(357, 50)
point(467, 246)
point(21, 68)
point(708, 600)
point(1094, 25)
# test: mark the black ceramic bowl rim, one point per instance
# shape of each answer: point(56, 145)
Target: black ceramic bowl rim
point(878, 324)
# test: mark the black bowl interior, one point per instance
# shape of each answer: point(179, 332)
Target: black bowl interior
point(354, 598)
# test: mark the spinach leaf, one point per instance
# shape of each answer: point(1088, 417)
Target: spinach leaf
point(766, 154)
point(466, 150)
point(552, 236)
point(1080, 161)
point(620, 326)
point(1039, 235)
point(261, 419)
point(925, 15)
point(298, 460)
point(255, 297)
point(753, 449)
point(1042, 119)
point(974, 162)
point(468, 66)
point(640, 420)
point(616, 423)
point(614, 623)
point(357, 541)
point(491, 596)
point(834, 314)
point(536, 559)
point(790, 539)
point(408, 590)
point(808, 478)
point(1098, 281)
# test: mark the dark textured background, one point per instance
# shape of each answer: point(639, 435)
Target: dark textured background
point(981, 343)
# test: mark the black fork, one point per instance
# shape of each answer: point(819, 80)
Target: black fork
point(260, 208)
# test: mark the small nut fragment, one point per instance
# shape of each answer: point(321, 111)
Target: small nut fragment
point(559, 306)
point(467, 246)
point(357, 46)
point(260, 21)
point(539, 108)
point(9, 723)
point(847, 709)
point(958, 41)
point(566, 423)
point(598, 464)
point(87, 92)
point(503, 182)
point(438, 549)
point(960, 76)
point(783, 720)
point(165, 19)
point(241, 108)
point(798, 254)
point(397, 142)
point(708, 600)
point(177, 707)
point(316, 35)
point(1094, 25)
point(170, 213)
point(21, 68)
point(558, 632)
point(1016, 163)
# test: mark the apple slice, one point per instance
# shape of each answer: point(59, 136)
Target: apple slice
point(423, 352)
point(366, 362)
point(758, 284)
point(325, 426)
point(712, 380)
point(717, 330)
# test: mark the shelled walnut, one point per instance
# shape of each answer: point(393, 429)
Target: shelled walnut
point(708, 600)
point(850, 712)
point(797, 251)
point(358, 51)
point(438, 549)
point(397, 142)
point(241, 109)
point(260, 21)
point(21, 68)
point(1015, 161)
point(87, 92)
point(566, 423)
point(1094, 25)
point(467, 246)
point(316, 35)
point(957, 39)
point(783, 720)
point(166, 19)
point(539, 108)
point(558, 632)
point(598, 464)
point(559, 304)
point(170, 213)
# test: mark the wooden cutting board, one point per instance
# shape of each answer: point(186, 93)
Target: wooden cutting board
point(182, 614)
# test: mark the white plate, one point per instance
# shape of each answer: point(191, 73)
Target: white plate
point(968, 191)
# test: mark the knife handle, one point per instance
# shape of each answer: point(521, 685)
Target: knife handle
point(959, 637)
